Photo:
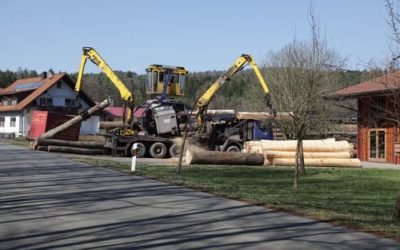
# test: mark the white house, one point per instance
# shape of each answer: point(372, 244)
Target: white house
point(54, 93)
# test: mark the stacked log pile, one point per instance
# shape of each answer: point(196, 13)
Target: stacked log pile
point(318, 153)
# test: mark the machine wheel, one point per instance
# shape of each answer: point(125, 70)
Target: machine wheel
point(175, 150)
point(233, 148)
point(158, 150)
point(141, 150)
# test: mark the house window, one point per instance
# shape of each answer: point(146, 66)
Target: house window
point(42, 101)
point(5, 102)
point(2, 122)
point(14, 102)
point(376, 144)
point(59, 85)
point(13, 122)
point(46, 101)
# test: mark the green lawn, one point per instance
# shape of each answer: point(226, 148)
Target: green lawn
point(17, 141)
point(361, 198)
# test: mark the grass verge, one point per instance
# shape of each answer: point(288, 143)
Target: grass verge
point(18, 142)
point(358, 198)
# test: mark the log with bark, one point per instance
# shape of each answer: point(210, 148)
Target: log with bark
point(77, 144)
point(74, 150)
point(321, 162)
point(42, 148)
point(75, 120)
point(195, 155)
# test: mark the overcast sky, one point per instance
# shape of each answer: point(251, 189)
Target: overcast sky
point(200, 35)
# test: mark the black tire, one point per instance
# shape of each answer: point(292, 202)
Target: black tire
point(233, 148)
point(158, 150)
point(141, 150)
point(175, 150)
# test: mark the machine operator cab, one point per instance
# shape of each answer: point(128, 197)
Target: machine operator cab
point(166, 80)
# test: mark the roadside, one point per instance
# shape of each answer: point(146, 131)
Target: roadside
point(167, 161)
point(49, 202)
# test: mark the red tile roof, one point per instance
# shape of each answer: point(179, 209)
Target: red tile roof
point(378, 85)
point(37, 89)
point(115, 111)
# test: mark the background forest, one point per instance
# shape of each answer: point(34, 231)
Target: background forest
point(242, 93)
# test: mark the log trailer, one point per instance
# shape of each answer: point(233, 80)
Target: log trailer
point(225, 131)
point(154, 124)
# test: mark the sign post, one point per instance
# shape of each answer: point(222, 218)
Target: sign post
point(134, 153)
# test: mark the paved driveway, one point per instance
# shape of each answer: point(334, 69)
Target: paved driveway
point(48, 202)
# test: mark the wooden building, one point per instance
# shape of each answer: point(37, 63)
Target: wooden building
point(378, 121)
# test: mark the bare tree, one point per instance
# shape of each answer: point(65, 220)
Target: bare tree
point(300, 75)
point(393, 21)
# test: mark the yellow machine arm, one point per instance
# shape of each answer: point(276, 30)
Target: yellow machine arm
point(239, 64)
point(92, 55)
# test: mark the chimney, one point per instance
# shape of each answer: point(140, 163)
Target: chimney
point(44, 75)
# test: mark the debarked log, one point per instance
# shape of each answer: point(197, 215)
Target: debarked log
point(326, 145)
point(325, 162)
point(196, 156)
point(290, 154)
point(73, 150)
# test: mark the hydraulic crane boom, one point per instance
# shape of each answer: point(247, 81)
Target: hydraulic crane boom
point(239, 64)
point(126, 95)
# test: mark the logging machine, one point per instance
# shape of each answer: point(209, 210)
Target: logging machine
point(153, 124)
point(225, 132)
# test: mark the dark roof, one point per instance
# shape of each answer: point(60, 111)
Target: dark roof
point(37, 85)
point(379, 85)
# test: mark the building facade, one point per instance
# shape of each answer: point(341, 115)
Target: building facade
point(53, 93)
point(378, 117)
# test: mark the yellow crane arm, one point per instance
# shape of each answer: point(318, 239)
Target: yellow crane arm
point(239, 64)
point(92, 55)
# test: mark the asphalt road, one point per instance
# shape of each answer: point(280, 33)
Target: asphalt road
point(50, 202)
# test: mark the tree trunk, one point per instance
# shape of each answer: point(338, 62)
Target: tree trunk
point(302, 170)
point(199, 156)
point(77, 144)
point(73, 150)
point(296, 168)
point(75, 120)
